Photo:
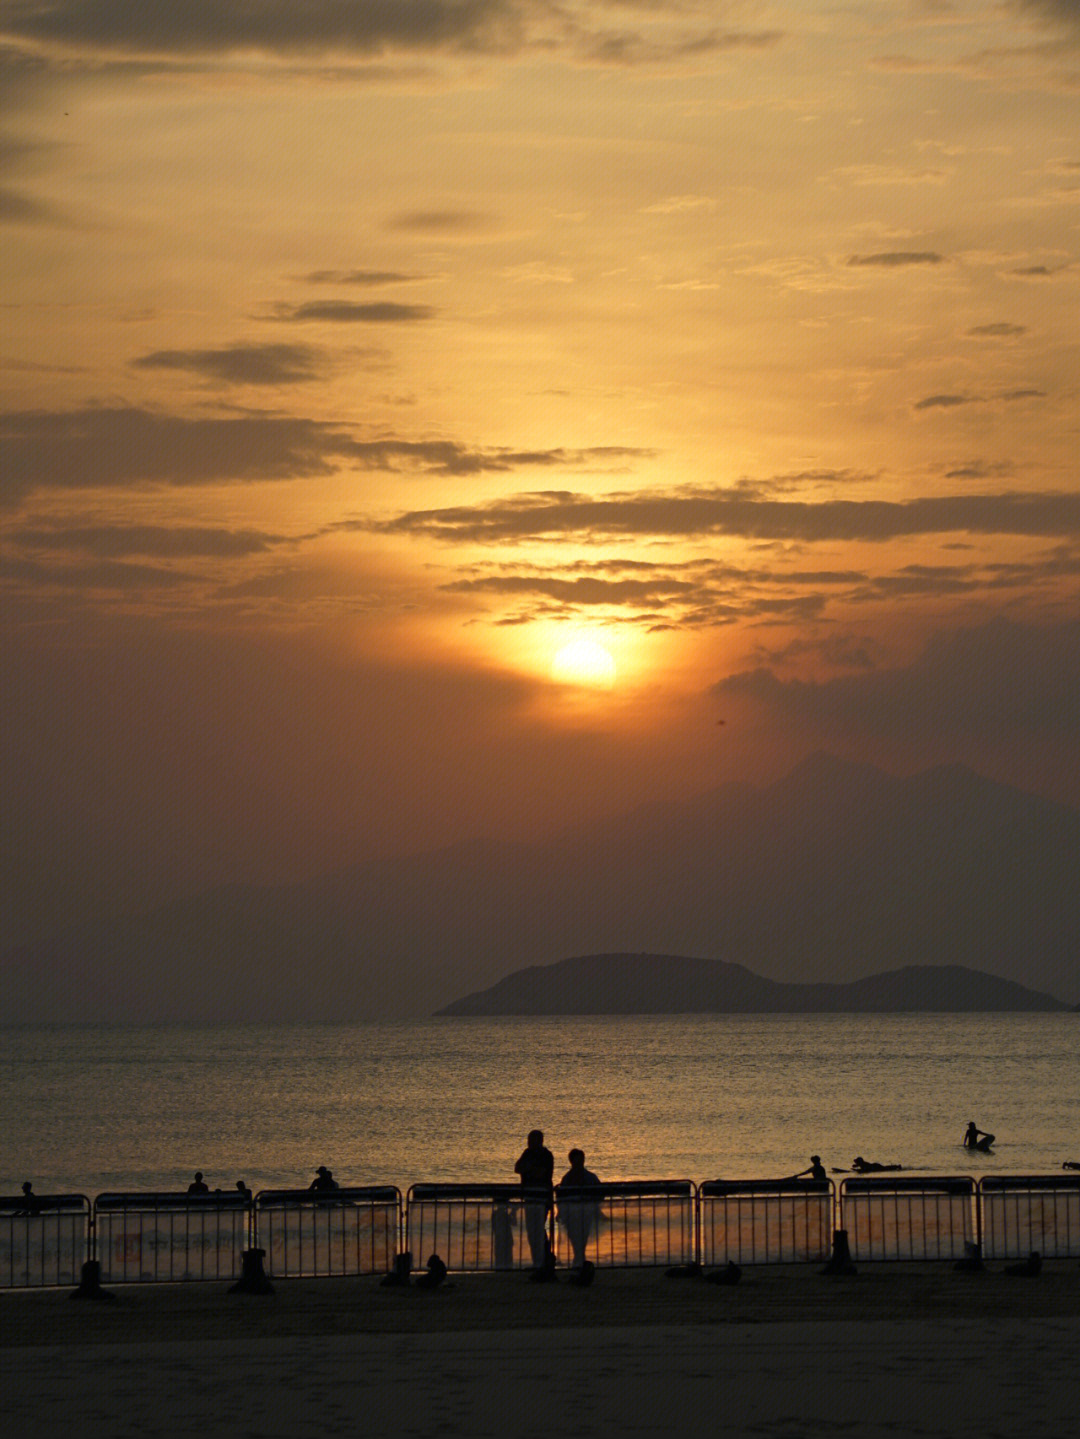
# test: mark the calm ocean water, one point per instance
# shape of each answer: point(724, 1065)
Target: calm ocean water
point(696, 1097)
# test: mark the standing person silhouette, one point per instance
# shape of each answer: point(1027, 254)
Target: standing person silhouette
point(198, 1185)
point(536, 1166)
point(578, 1213)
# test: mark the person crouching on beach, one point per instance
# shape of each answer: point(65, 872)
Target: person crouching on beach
point(536, 1166)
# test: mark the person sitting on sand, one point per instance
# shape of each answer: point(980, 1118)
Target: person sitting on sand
point(1071, 1164)
point(816, 1170)
point(436, 1273)
point(198, 1184)
point(976, 1138)
point(867, 1166)
point(323, 1181)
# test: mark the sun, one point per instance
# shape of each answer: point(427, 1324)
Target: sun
point(585, 663)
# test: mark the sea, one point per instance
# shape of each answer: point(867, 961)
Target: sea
point(93, 1109)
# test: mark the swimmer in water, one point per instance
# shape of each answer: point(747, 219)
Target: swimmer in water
point(976, 1138)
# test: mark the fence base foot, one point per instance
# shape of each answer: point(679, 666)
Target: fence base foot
point(253, 1278)
point(90, 1284)
point(399, 1275)
point(972, 1260)
point(841, 1261)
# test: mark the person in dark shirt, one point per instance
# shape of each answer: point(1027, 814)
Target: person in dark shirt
point(578, 1213)
point(198, 1185)
point(31, 1204)
point(816, 1170)
point(323, 1181)
point(536, 1166)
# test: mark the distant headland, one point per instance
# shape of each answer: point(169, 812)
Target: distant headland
point(675, 984)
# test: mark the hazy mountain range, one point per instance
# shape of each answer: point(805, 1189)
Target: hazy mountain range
point(833, 873)
point(674, 984)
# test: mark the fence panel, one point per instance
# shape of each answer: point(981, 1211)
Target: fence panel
point(765, 1221)
point(477, 1226)
point(344, 1231)
point(1022, 1214)
point(44, 1239)
point(159, 1238)
point(630, 1223)
point(908, 1218)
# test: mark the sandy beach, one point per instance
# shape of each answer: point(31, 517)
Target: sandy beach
point(893, 1350)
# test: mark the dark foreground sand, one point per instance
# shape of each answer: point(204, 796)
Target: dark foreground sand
point(894, 1350)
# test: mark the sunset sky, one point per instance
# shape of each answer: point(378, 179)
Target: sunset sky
point(359, 357)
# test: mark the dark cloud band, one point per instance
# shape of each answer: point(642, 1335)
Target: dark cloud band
point(118, 447)
point(555, 515)
point(352, 26)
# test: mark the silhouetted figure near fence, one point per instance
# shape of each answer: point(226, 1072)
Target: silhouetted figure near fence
point(816, 1170)
point(536, 1166)
point(867, 1166)
point(324, 1181)
point(578, 1214)
point(436, 1273)
point(241, 1188)
point(976, 1138)
point(1071, 1164)
point(31, 1204)
point(198, 1184)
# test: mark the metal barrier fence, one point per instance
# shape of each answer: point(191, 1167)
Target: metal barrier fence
point(165, 1237)
point(154, 1238)
point(313, 1233)
point(477, 1226)
point(632, 1223)
point(763, 1221)
point(44, 1239)
point(908, 1218)
point(1022, 1214)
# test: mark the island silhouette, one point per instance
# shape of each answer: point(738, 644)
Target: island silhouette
point(676, 984)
